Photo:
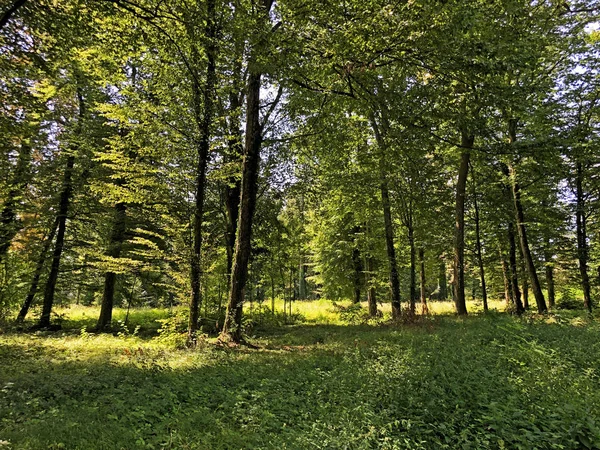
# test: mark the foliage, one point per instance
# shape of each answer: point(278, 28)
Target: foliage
point(511, 383)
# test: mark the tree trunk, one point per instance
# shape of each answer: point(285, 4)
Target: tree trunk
point(535, 283)
point(413, 268)
point(506, 278)
point(582, 245)
point(526, 252)
point(387, 218)
point(525, 289)
point(9, 226)
point(371, 292)
point(424, 307)
point(514, 273)
point(203, 99)
point(550, 278)
point(479, 254)
point(114, 251)
point(232, 327)
point(63, 211)
point(357, 263)
point(459, 237)
point(39, 268)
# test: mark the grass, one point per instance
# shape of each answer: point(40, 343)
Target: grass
point(480, 382)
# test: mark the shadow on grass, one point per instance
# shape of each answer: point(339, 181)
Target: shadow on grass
point(489, 383)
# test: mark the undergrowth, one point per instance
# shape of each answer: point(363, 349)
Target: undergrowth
point(482, 382)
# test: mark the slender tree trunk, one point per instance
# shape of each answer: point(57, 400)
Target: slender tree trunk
point(39, 268)
point(525, 288)
point(9, 226)
point(514, 272)
point(114, 251)
point(357, 263)
point(507, 284)
point(459, 236)
point(10, 11)
point(526, 252)
point(413, 268)
point(479, 254)
point(582, 245)
point(203, 99)
point(371, 292)
point(387, 218)
point(63, 211)
point(550, 277)
point(424, 307)
point(520, 219)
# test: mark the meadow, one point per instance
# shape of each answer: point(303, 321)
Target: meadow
point(324, 380)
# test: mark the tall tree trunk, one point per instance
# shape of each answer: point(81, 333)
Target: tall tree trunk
point(467, 141)
point(10, 11)
point(506, 278)
point(203, 99)
point(413, 268)
point(550, 277)
point(114, 251)
point(514, 272)
point(9, 225)
point(525, 288)
point(387, 219)
point(232, 327)
point(234, 157)
point(39, 268)
point(357, 263)
point(525, 250)
point(63, 211)
point(582, 245)
point(371, 292)
point(479, 253)
point(424, 307)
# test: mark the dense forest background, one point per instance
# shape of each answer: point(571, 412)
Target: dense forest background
point(216, 154)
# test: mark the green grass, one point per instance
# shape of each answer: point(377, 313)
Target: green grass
point(482, 382)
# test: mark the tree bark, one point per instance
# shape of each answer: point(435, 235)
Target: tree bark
point(479, 253)
point(357, 263)
point(550, 278)
point(506, 278)
point(526, 252)
point(514, 273)
point(467, 141)
point(232, 327)
point(63, 210)
point(371, 292)
point(114, 251)
point(387, 218)
point(9, 226)
point(413, 268)
point(525, 288)
point(582, 245)
point(203, 99)
point(424, 307)
point(37, 274)
point(520, 222)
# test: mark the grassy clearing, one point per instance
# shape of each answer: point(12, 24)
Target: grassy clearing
point(443, 382)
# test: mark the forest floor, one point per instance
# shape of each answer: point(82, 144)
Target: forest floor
point(325, 382)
